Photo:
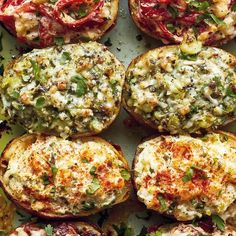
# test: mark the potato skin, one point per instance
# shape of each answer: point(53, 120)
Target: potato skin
point(179, 229)
point(157, 25)
point(140, 70)
point(169, 196)
point(26, 141)
point(62, 229)
point(70, 91)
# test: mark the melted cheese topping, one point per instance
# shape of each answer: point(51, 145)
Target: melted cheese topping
point(173, 93)
point(213, 23)
point(64, 90)
point(66, 177)
point(28, 25)
point(187, 177)
point(190, 230)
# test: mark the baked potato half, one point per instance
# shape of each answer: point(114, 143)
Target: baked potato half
point(56, 178)
point(182, 89)
point(43, 23)
point(71, 90)
point(190, 229)
point(57, 229)
point(186, 177)
point(213, 22)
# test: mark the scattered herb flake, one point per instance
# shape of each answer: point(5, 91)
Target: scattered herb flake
point(54, 171)
point(188, 175)
point(94, 186)
point(45, 179)
point(49, 230)
point(219, 222)
point(81, 85)
point(162, 202)
point(59, 41)
point(93, 170)
point(40, 102)
point(173, 11)
point(125, 174)
point(88, 205)
point(65, 57)
point(234, 7)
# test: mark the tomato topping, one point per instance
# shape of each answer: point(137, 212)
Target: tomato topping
point(76, 13)
point(50, 19)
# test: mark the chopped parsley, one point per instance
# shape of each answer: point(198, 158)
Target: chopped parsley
point(45, 179)
point(199, 5)
point(93, 170)
point(40, 102)
point(59, 41)
point(94, 186)
point(88, 205)
point(162, 202)
point(65, 57)
point(234, 7)
point(188, 175)
point(125, 174)
point(173, 11)
point(219, 222)
point(54, 171)
point(81, 85)
point(49, 230)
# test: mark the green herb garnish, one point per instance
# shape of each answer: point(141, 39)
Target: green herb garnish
point(162, 202)
point(81, 85)
point(88, 205)
point(59, 41)
point(173, 11)
point(234, 7)
point(199, 5)
point(94, 186)
point(82, 12)
point(65, 57)
point(157, 233)
point(40, 102)
point(230, 92)
point(219, 222)
point(210, 17)
point(125, 174)
point(36, 70)
point(93, 170)
point(54, 171)
point(49, 230)
point(188, 175)
point(188, 57)
point(45, 179)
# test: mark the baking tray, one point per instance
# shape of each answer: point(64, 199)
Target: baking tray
point(126, 42)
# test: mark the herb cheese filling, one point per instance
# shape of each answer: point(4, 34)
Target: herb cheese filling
point(69, 90)
point(182, 93)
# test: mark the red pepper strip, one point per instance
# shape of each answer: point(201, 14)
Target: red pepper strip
point(164, 31)
point(9, 22)
point(10, 3)
point(61, 4)
point(189, 19)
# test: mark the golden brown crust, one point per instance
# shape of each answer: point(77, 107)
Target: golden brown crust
point(27, 140)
